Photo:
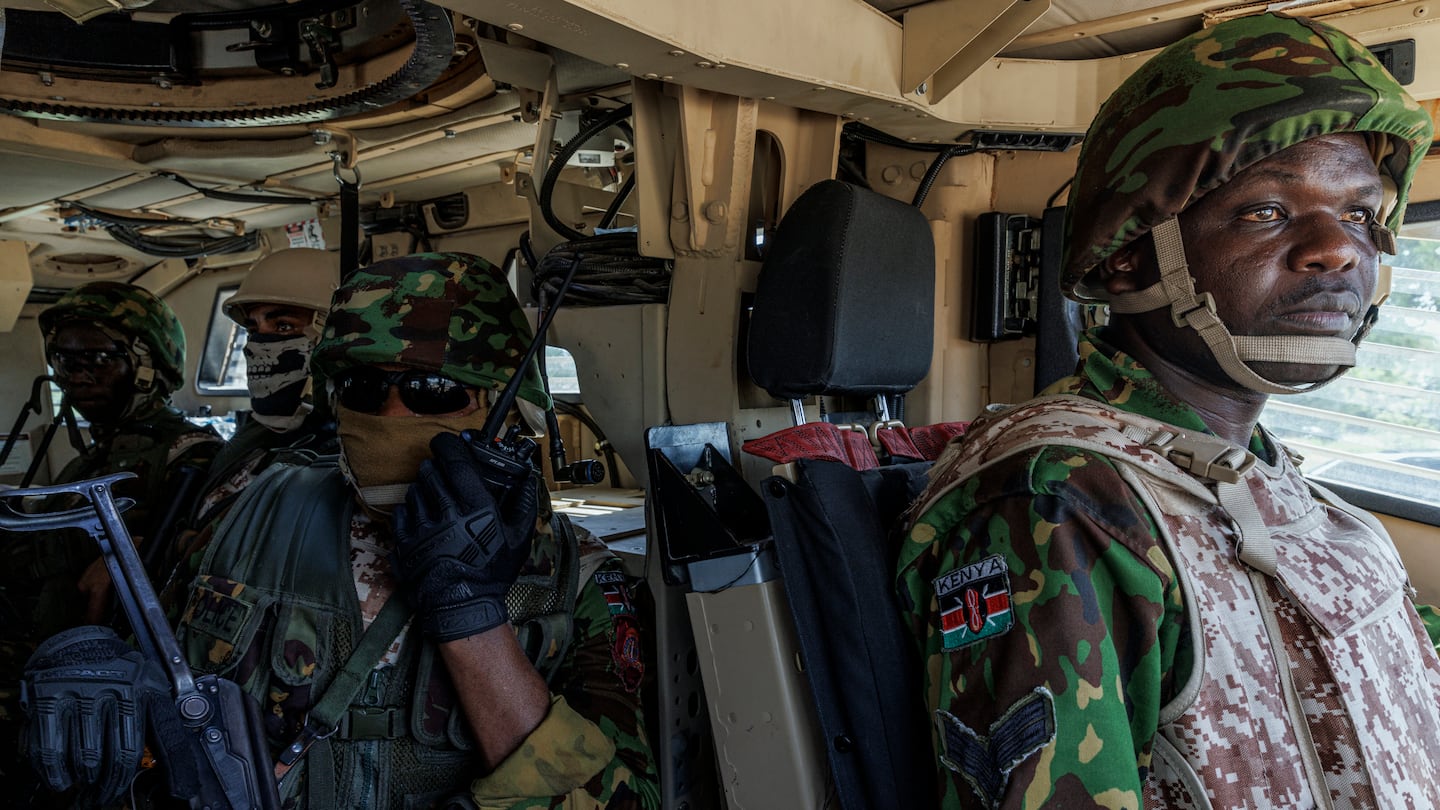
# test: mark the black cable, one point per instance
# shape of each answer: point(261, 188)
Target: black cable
point(182, 247)
point(864, 132)
point(933, 172)
point(527, 252)
point(240, 197)
point(557, 164)
point(117, 218)
point(614, 210)
point(125, 229)
point(602, 443)
point(1050, 203)
point(612, 272)
point(509, 257)
point(552, 422)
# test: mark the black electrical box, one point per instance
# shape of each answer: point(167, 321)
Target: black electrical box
point(1005, 304)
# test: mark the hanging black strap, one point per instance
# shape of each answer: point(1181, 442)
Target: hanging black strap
point(349, 218)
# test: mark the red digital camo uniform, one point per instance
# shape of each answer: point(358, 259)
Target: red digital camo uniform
point(1125, 593)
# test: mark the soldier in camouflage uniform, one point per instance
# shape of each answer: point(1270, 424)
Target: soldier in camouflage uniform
point(117, 352)
point(1125, 593)
point(281, 304)
point(415, 636)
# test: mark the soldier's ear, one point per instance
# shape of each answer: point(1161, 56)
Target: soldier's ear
point(1129, 269)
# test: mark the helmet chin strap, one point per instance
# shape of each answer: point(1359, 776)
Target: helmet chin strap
point(1176, 289)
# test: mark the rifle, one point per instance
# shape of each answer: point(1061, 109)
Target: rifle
point(220, 719)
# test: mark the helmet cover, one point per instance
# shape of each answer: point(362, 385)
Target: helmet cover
point(1216, 102)
point(448, 312)
point(129, 310)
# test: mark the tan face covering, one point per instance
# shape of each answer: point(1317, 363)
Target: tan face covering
point(381, 455)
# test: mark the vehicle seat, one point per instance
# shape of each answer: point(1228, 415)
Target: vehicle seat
point(844, 306)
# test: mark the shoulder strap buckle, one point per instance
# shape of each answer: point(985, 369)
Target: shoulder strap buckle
point(1205, 456)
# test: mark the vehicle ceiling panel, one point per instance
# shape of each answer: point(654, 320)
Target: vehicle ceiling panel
point(440, 184)
point(406, 150)
point(1169, 20)
point(138, 195)
point(29, 181)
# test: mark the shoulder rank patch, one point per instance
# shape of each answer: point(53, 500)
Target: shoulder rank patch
point(625, 650)
point(974, 602)
point(985, 762)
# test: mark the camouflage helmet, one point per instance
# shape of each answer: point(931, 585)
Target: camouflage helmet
point(131, 311)
point(1205, 108)
point(448, 312)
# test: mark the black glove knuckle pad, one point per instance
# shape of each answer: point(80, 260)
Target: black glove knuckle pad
point(459, 561)
point(90, 699)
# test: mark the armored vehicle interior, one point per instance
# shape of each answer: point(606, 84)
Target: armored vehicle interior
point(172, 143)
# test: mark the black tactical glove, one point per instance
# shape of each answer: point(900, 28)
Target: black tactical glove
point(90, 700)
point(461, 540)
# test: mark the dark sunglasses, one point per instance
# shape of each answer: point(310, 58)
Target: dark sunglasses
point(365, 389)
point(86, 359)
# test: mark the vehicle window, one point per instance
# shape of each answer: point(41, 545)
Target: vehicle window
point(1375, 433)
point(222, 362)
point(560, 369)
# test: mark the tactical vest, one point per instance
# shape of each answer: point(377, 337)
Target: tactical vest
point(256, 447)
point(1314, 683)
point(274, 608)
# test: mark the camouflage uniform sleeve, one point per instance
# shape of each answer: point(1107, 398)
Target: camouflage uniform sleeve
point(1430, 617)
point(594, 735)
point(1049, 619)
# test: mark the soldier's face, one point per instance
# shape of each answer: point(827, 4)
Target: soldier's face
point(280, 320)
point(94, 372)
point(1285, 249)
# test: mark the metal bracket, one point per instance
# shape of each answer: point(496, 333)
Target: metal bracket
point(947, 40)
point(712, 181)
point(339, 144)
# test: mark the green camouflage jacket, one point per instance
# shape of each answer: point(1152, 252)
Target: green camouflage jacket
point(1080, 601)
point(284, 637)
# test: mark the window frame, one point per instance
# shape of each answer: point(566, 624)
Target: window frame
point(223, 337)
point(1373, 500)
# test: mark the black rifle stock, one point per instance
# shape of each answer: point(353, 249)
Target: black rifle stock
point(223, 721)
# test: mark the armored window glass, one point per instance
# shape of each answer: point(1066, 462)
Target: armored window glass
point(1375, 433)
point(222, 361)
point(560, 369)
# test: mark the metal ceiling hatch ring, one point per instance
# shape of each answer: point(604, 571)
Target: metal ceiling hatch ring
point(286, 64)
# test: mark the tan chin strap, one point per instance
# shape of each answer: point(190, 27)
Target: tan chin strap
point(1176, 289)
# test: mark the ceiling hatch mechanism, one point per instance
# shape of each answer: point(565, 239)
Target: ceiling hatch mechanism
point(235, 63)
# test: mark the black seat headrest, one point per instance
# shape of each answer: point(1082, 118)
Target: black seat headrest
point(845, 300)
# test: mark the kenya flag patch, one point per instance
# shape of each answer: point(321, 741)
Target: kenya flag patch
point(974, 602)
point(617, 596)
